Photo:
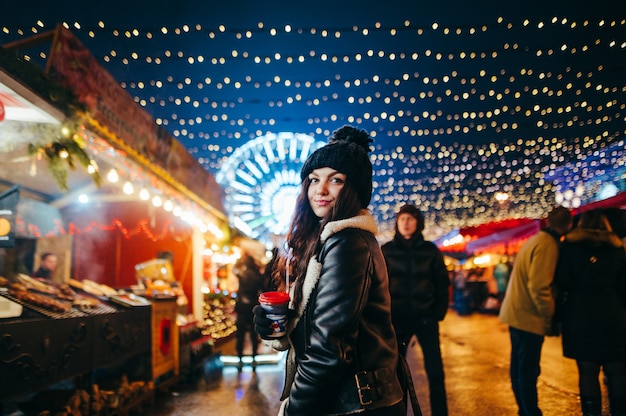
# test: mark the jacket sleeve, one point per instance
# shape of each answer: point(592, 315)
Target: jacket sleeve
point(442, 284)
point(540, 276)
point(333, 322)
point(562, 273)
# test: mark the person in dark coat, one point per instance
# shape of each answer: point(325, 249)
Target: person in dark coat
point(591, 275)
point(418, 283)
point(250, 287)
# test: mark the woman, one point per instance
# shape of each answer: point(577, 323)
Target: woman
point(343, 353)
point(592, 274)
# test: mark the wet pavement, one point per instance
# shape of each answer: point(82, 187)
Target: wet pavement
point(475, 351)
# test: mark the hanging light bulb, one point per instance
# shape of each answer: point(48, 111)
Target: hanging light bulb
point(144, 195)
point(93, 167)
point(113, 176)
point(128, 188)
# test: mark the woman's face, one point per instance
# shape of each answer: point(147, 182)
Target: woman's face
point(325, 184)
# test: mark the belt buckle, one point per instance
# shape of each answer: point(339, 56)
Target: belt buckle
point(365, 395)
point(365, 392)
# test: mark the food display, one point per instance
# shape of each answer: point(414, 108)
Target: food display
point(51, 298)
point(219, 321)
point(30, 283)
point(21, 293)
point(155, 279)
point(93, 288)
point(85, 302)
point(31, 291)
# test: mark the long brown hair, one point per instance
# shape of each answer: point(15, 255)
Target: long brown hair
point(304, 234)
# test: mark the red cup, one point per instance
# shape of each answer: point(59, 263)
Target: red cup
point(276, 305)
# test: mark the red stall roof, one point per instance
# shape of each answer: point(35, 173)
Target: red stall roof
point(488, 235)
point(511, 232)
point(617, 201)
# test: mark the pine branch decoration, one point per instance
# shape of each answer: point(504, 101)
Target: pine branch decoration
point(63, 153)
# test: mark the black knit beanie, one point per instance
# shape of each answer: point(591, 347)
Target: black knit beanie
point(346, 152)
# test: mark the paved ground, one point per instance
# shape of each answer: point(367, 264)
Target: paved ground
point(475, 351)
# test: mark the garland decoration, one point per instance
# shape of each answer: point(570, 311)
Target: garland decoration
point(68, 147)
point(65, 152)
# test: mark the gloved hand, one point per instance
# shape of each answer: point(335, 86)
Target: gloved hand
point(263, 325)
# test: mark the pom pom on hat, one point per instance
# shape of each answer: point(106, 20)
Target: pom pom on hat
point(346, 152)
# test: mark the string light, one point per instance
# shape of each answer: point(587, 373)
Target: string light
point(454, 126)
point(113, 176)
point(128, 188)
point(144, 194)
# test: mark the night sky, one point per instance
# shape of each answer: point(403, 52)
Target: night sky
point(463, 99)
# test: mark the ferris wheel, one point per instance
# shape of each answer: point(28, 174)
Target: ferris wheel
point(261, 180)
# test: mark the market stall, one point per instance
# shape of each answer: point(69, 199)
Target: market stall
point(94, 188)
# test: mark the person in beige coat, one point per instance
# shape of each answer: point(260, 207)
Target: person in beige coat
point(528, 307)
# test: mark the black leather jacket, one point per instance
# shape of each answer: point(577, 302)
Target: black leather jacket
point(418, 281)
point(344, 328)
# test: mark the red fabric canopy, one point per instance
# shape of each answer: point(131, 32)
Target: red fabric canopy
point(485, 236)
point(617, 201)
point(504, 237)
point(510, 233)
point(493, 227)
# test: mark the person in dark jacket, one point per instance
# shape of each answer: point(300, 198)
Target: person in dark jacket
point(592, 273)
point(342, 352)
point(418, 282)
point(250, 287)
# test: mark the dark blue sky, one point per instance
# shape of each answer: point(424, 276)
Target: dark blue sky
point(485, 97)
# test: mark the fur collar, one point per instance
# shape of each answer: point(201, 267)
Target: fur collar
point(595, 236)
point(363, 221)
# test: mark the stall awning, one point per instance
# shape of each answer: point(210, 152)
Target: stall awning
point(471, 240)
point(617, 201)
point(504, 237)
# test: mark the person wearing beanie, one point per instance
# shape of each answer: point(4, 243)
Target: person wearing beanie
point(418, 283)
point(342, 352)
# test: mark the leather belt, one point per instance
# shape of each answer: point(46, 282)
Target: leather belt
point(372, 385)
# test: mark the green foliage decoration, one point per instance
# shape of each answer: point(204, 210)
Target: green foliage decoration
point(67, 148)
point(63, 153)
